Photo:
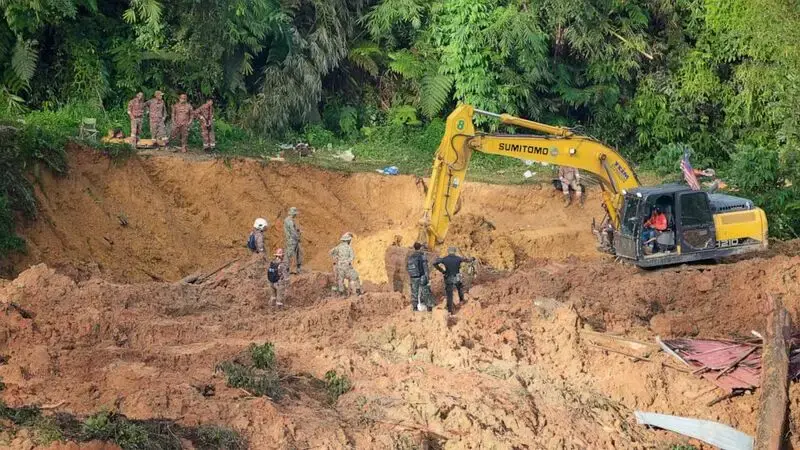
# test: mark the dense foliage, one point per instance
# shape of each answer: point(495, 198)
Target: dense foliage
point(652, 77)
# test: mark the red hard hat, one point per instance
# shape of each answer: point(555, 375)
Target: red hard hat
point(279, 252)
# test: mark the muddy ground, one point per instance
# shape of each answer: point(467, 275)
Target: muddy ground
point(110, 326)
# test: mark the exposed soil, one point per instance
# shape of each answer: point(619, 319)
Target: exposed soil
point(515, 368)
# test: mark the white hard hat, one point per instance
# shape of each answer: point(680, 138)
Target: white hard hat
point(260, 224)
point(346, 237)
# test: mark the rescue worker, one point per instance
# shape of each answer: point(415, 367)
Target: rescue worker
point(450, 266)
point(157, 111)
point(181, 120)
point(257, 242)
point(343, 256)
point(655, 224)
point(278, 277)
point(570, 178)
point(419, 273)
point(135, 113)
point(291, 232)
point(205, 114)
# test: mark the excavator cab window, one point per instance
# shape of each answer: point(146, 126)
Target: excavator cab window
point(660, 241)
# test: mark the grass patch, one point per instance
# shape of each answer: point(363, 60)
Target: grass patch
point(263, 355)
point(255, 371)
point(261, 383)
point(116, 428)
point(336, 385)
point(211, 437)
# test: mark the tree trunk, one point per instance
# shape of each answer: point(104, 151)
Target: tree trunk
point(774, 399)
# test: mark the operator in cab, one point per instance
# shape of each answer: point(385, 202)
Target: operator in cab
point(654, 225)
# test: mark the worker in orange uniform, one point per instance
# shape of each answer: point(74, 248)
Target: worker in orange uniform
point(654, 225)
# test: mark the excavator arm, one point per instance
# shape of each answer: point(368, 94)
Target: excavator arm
point(558, 145)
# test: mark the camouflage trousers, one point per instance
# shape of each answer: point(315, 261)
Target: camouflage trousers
point(347, 272)
point(207, 130)
point(158, 130)
point(293, 252)
point(136, 127)
point(566, 184)
point(421, 293)
point(278, 292)
point(183, 132)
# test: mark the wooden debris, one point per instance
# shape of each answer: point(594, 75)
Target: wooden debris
point(638, 358)
point(774, 400)
point(627, 342)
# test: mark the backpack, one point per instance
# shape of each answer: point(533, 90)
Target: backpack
point(414, 265)
point(251, 242)
point(273, 274)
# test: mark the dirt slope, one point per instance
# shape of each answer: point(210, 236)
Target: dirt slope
point(514, 369)
point(185, 215)
point(504, 374)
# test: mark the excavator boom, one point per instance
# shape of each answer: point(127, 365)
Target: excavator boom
point(559, 146)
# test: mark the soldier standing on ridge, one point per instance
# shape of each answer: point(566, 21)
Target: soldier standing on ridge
point(136, 112)
point(343, 257)
point(157, 111)
point(181, 120)
point(291, 232)
point(205, 114)
point(570, 178)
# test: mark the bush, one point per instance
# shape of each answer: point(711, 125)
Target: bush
point(24, 415)
point(336, 385)
point(211, 437)
point(106, 426)
point(255, 381)
point(263, 355)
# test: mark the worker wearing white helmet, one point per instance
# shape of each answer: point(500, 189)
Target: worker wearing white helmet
point(256, 242)
point(343, 257)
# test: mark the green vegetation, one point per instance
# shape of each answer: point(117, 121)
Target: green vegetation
point(715, 77)
point(263, 355)
point(116, 428)
point(256, 372)
point(336, 385)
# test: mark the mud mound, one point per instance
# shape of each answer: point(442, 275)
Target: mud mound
point(504, 372)
point(162, 217)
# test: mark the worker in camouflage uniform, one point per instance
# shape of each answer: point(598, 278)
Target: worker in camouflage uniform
point(419, 274)
point(205, 114)
point(291, 232)
point(157, 110)
point(136, 112)
point(181, 120)
point(343, 256)
point(278, 277)
point(570, 178)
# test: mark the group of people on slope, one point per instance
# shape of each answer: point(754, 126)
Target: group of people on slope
point(348, 281)
point(183, 114)
point(419, 273)
point(278, 270)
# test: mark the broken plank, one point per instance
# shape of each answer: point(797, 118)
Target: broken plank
point(638, 358)
point(631, 343)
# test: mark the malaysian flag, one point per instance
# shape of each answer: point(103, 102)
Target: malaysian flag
point(688, 172)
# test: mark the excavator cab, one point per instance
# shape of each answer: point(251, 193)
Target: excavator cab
point(691, 232)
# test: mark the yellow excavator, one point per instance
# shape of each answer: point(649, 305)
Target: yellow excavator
point(700, 225)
